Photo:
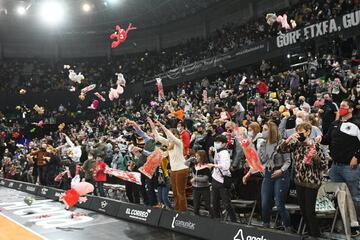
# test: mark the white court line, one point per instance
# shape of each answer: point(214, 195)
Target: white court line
point(30, 230)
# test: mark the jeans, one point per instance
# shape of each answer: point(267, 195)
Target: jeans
point(198, 193)
point(163, 194)
point(307, 200)
point(275, 189)
point(219, 191)
point(343, 173)
point(100, 188)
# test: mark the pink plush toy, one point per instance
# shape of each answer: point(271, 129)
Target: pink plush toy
point(88, 89)
point(283, 21)
point(71, 197)
point(115, 93)
point(100, 96)
point(83, 187)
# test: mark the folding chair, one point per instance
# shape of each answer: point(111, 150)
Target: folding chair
point(327, 215)
point(239, 204)
point(292, 209)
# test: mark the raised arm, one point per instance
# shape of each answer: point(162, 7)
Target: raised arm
point(170, 135)
point(157, 136)
point(68, 141)
point(138, 130)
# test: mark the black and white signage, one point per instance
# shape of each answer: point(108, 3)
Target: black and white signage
point(31, 188)
point(139, 213)
point(88, 203)
point(4, 182)
point(105, 205)
point(231, 231)
point(45, 192)
point(187, 224)
point(55, 194)
point(319, 29)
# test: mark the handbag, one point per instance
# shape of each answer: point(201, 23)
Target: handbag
point(161, 177)
point(227, 180)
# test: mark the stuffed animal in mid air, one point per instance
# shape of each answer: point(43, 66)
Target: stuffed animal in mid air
point(121, 80)
point(75, 77)
point(282, 20)
point(39, 110)
point(71, 197)
point(120, 35)
point(270, 18)
point(115, 93)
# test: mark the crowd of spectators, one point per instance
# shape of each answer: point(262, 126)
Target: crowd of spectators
point(296, 111)
point(40, 76)
point(290, 117)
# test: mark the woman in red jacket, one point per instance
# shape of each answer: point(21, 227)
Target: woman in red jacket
point(99, 175)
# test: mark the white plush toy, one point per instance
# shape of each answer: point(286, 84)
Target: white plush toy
point(75, 77)
point(121, 80)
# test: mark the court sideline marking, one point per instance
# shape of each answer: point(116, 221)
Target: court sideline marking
point(21, 229)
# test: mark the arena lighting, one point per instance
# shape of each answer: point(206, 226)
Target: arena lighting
point(112, 2)
point(52, 12)
point(86, 7)
point(21, 10)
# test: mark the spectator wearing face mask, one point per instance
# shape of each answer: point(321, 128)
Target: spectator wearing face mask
point(197, 138)
point(209, 137)
point(302, 117)
point(221, 170)
point(185, 137)
point(337, 90)
point(255, 134)
point(343, 138)
point(276, 180)
point(310, 164)
point(304, 106)
point(179, 171)
point(260, 105)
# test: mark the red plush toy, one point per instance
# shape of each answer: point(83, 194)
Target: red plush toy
point(70, 198)
point(120, 35)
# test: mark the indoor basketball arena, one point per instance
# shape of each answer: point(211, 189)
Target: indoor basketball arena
point(179, 119)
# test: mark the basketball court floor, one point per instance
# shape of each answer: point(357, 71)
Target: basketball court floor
point(47, 219)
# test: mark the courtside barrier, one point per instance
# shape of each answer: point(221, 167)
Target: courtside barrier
point(195, 226)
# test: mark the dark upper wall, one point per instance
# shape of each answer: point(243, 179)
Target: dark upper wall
point(25, 42)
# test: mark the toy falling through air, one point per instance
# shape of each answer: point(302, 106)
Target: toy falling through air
point(75, 195)
point(120, 35)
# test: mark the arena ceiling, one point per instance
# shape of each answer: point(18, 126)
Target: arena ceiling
point(144, 13)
